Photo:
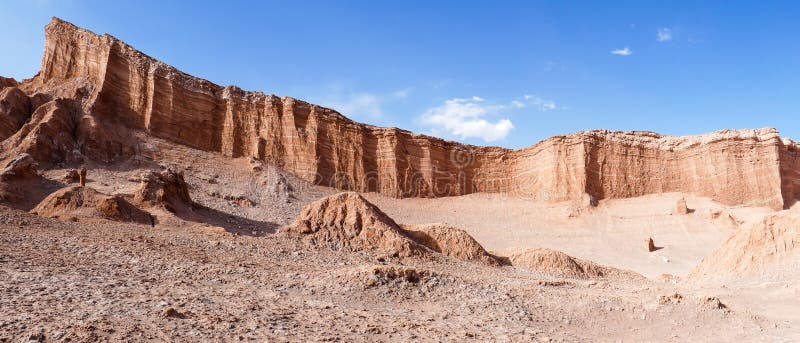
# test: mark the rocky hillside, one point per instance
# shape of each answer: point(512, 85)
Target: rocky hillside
point(98, 98)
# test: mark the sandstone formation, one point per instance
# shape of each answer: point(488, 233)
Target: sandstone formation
point(558, 264)
point(20, 182)
point(680, 207)
point(95, 94)
point(87, 203)
point(347, 221)
point(651, 246)
point(14, 111)
point(768, 250)
point(166, 188)
point(71, 176)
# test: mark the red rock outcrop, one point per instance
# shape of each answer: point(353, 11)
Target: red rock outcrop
point(166, 188)
point(119, 89)
point(14, 111)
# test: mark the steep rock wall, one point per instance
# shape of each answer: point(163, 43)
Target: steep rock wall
point(119, 85)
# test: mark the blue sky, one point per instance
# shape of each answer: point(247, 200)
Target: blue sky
point(499, 73)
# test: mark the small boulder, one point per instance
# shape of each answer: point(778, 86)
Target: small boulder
point(71, 176)
point(680, 207)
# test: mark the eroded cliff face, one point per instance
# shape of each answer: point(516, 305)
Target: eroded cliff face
point(106, 91)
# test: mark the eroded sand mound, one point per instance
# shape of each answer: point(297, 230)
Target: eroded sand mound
point(770, 249)
point(559, 264)
point(451, 241)
point(76, 202)
point(348, 221)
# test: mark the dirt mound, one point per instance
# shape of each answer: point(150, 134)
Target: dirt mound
point(770, 249)
point(450, 241)
point(559, 264)
point(348, 221)
point(166, 188)
point(86, 203)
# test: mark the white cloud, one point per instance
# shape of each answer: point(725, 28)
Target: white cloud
point(362, 105)
point(664, 34)
point(535, 101)
point(358, 105)
point(465, 118)
point(622, 52)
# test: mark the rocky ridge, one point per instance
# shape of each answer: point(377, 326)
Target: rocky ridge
point(93, 91)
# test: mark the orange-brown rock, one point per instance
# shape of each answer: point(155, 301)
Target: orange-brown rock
point(651, 246)
point(7, 82)
point(770, 249)
point(87, 203)
point(556, 263)
point(21, 186)
point(166, 188)
point(14, 111)
point(71, 176)
point(680, 207)
point(119, 89)
point(347, 221)
point(47, 136)
point(452, 242)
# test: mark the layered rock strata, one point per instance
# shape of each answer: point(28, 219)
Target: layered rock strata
point(103, 91)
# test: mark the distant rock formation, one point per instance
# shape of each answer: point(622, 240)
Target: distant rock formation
point(94, 93)
point(680, 207)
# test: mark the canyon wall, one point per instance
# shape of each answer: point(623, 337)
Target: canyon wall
point(122, 90)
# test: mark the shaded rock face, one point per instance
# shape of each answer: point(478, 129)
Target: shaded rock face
point(347, 221)
point(120, 89)
point(47, 136)
point(14, 111)
point(84, 202)
point(166, 188)
point(7, 82)
point(769, 250)
point(559, 264)
point(22, 166)
point(21, 186)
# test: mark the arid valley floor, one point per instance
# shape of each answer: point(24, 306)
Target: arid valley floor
point(214, 214)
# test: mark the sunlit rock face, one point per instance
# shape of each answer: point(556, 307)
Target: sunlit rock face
point(102, 95)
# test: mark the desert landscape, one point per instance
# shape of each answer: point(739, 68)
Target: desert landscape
point(140, 203)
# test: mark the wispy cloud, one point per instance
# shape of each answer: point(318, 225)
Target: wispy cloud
point(362, 105)
point(535, 101)
point(664, 34)
point(622, 52)
point(465, 118)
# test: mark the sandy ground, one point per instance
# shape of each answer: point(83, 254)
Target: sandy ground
point(613, 233)
point(63, 281)
point(87, 282)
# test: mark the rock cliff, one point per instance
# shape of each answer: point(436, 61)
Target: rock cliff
point(102, 92)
